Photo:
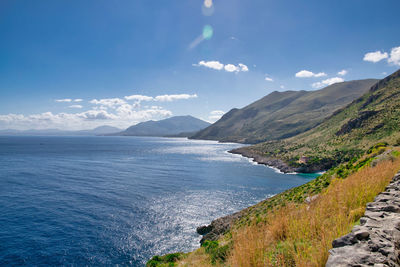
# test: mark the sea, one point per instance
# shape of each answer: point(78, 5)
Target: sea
point(91, 201)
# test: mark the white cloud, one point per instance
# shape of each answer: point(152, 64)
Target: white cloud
point(68, 100)
point(160, 98)
point(231, 68)
point(64, 100)
point(216, 65)
point(76, 106)
point(375, 56)
point(139, 97)
point(123, 117)
point(96, 115)
point(268, 79)
point(243, 67)
point(282, 87)
point(327, 82)
point(309, 74)
point(111, 111)
point(169, 98)
point(342, 72)
point(395, 56)
point(215, 115)
point(108, 102)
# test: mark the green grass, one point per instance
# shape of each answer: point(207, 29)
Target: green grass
point(168, 260)
point(217, 252)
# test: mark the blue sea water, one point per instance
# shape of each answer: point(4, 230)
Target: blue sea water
point(119, 200)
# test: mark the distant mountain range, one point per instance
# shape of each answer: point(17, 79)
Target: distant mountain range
point(283, 114)
point(178, 126)
point(101, 130)
point(175, 126)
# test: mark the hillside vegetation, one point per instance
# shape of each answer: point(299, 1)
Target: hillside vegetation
point(302, 234)
point(283, 114)
point(348, 133)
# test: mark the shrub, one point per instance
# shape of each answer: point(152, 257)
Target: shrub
point(217, 253)
point(377, 147)
point(166, 260)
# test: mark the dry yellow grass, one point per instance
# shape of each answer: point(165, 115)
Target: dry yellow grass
point(302, 234)
point(195, 258)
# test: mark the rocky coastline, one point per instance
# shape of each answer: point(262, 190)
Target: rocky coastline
point(270, 162)
point(376, 241)
point(218, 227)
point(281, 165)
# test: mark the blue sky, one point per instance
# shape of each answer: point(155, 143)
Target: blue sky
point(97, 53)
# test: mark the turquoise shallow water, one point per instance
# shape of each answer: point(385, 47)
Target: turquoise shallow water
point(119, 200)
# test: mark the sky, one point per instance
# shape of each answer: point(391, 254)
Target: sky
point(73, 65)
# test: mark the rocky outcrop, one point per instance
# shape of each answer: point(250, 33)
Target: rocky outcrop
point(356, 122)
point(218, 227)
point(376, 241)
point(271, 162)
point(278, 163)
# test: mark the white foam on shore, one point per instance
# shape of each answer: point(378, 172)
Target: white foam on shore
point(253, 162)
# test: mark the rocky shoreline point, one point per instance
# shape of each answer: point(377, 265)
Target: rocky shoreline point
point(376, 241)
point(218, 227)
point(260, 159)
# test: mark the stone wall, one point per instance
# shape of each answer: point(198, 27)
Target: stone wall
point(376, 241)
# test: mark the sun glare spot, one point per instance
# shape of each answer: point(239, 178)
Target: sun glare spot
point(207, 32)
point(208, 3)
point(208, 8)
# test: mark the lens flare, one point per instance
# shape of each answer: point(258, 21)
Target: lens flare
point(207, 32)
point(208, 3)
point(207, 8)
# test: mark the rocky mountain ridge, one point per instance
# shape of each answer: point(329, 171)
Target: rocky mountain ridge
point(283, 114)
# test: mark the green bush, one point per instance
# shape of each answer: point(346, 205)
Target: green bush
point(216, 252)
point(166, 260)
point(377, 147)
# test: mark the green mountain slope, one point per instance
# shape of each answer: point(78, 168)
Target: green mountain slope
point(283, 114)
point(171, 126)
point(373, 118)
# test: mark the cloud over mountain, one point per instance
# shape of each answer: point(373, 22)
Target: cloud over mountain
point(309, 74)
point(216, 65)
point(375, 56)
point(327, 82)
point(116, 111)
